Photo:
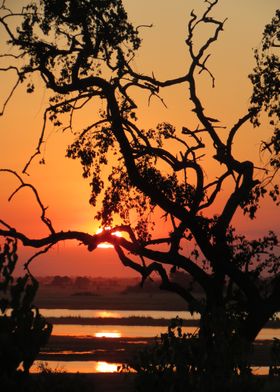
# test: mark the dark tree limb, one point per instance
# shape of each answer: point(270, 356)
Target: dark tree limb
point(166, 284)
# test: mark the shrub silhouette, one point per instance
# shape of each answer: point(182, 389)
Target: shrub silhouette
point(23, 331)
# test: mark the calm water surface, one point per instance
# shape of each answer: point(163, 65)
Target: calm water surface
point(117, 331)
point(113, 331)
point(76, 366)
point(126, 330)
point(99, 367)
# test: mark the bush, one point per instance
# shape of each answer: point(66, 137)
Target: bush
point(47, 380)
point(176, 363)
point(23, 331)
point(170, 364)
point(274, 368)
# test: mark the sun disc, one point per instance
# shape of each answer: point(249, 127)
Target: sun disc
point(107, 245)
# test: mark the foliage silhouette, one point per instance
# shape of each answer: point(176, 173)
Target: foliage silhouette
point(177, 361)
point(266, 85)
point(83, 50)
point(274, 368)
point(47, 380)
point(23, 331)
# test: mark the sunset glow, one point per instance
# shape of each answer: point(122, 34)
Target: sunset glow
point(107, 244)
point(140, 181)
point(163, 51)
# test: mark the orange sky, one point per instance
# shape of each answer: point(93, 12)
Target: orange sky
point(163, 52)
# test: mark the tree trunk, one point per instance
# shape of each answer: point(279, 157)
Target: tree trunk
point(225, 353)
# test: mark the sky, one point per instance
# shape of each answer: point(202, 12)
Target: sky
point(163, 52)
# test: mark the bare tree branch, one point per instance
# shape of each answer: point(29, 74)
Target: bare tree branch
point(10, 95)
point(44, 219)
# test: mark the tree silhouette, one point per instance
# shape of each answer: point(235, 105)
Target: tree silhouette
point(83, 51)
point(23, 330)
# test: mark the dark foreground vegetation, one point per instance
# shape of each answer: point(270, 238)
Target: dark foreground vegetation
point(61, 382)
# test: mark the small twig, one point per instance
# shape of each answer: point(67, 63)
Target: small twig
point(10, 96)
point(40, 142)
point(5, 224)
point(86, 96)
point(94, 125)
point(153, 94)
point(45, 250)
point(144, 26)
point(236, 127)
point(44, 219)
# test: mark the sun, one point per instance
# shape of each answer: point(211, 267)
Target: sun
point(106, 244)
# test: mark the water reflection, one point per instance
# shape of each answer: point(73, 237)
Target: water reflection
point(122, 330)
point(269, 334)
point(106, 334)
point(107, 314)
point(75, 366)
point(105, 367)
point(99, 367)
point(129, 331)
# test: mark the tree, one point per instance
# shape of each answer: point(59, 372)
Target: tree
point(83, 51)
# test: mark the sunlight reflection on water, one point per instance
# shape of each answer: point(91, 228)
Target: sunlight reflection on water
point(100, 367)
point(76, 366)
point(107, 334)
point(118, 331)
point(129, 331)
point(105, 367)
point(115, 331)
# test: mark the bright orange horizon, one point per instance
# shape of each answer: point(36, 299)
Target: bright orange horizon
point(60, 183)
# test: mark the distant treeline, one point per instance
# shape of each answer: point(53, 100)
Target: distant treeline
point(133, 321)
point(94, 284)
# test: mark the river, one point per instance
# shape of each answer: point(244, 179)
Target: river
point(117, 331)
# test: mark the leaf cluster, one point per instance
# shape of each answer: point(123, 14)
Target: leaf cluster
point(266, 85)
point(73, 37)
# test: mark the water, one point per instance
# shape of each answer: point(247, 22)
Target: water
point(100, 367)
point(119, 331)
point(127, 331)
point(76, 366)
point(113, 331)
point(133, 331)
